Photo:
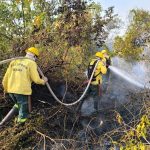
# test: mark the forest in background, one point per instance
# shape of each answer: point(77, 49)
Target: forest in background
point(68, 33)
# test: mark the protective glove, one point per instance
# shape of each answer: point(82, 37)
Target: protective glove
point(45, 79)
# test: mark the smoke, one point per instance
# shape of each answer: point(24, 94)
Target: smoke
point(121, 81)
point(138, 72)
point(125, 78)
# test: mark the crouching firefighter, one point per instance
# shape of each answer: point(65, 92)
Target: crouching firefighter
point(95, 87)
point(17, 83)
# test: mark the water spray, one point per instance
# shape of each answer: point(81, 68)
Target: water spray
point(126, 77)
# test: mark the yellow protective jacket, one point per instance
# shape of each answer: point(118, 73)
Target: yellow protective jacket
point(100, 69)
point(19, 76)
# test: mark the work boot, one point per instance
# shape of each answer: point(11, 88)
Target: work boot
point(9, 116)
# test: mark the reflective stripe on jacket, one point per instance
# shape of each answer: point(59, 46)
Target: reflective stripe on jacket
point(19, 76)
point(100, 69)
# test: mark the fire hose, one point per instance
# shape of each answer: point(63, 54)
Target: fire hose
point(49, 87)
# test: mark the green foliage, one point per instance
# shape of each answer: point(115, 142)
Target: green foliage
point(133, 138)
point(69, 31)
point(21, 136)
point(129, 45)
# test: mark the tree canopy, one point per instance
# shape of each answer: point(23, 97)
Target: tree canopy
point(136, 38)
point(66, 32)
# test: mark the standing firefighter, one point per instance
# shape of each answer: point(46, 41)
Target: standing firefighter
point(17, 82)
point(95, 86)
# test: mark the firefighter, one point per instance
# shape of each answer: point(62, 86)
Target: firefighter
point(17, 83)
point(95, 86)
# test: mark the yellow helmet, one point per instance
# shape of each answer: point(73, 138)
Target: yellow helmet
point(33, 50)
point(99, 54)
point(104, 51)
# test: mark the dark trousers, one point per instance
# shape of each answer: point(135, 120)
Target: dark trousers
point(95, 92)
point(21, 103)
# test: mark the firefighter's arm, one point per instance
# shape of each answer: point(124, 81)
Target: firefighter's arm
point(35, 75)
point(103, 69)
